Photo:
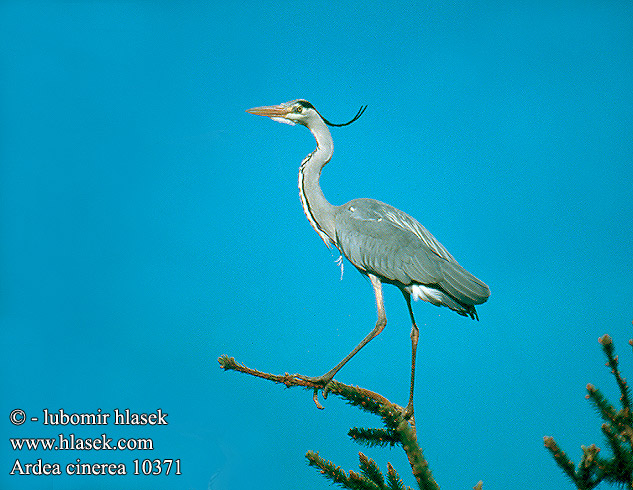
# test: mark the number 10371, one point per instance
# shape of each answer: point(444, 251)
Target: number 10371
point(156, 466)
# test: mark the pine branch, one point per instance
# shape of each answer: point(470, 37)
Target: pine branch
point(365, 399)
point(612, 362)
point(618, 431)
point(616, 442)
point(562, 460)
point(370, 477)
point(230, 364)
point(370, 469)
point(623, 419)
point(393, 479)
point(362, 482)
point(392, 416)
point(604, 408)
point(588, 470)
point(329, 469)
point(374, 437)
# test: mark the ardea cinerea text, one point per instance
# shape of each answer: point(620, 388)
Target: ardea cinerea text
point(382, 242)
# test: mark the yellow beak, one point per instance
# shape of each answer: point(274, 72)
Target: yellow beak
point(270, 111)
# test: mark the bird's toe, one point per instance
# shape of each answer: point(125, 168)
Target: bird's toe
point(323, 382)
point(408, 411)
point(327, 388)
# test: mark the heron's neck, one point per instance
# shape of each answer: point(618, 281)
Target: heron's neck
point(318, 210)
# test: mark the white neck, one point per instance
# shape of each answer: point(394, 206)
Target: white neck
point(318, 210)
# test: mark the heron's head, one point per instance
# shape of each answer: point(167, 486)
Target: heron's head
point(293, 112)
point(297, 112)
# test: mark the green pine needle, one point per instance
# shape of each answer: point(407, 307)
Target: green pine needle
point(369, 469)
point(329, 469)
point(604, 408)
point(374, 437)
point(588, 472)
point(562, 460)
point(616, 442)
point(361, 482)
point(617, 429)
point(394, 482)
point(612, 362)
point(618, 471)
point(357, 398)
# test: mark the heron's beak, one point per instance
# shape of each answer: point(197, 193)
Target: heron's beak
point(275, 112)
point(269, 111)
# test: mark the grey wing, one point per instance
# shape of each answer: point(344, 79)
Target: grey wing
point(382, 240)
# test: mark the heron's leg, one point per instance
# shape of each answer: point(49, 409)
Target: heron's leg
point(415, 333)
point(380, 325)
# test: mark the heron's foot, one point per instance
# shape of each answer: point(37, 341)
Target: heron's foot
point(324, 382)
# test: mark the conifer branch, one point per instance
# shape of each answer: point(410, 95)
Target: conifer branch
point(356, 396)
point(369, 478)
point(370, 470)
point(612, 362)
point(362, 483)
point(398, 428)
point(604, 408)
point(615, 442)
point(588, 470)
point(374, 437)
point(618, 431)
point(561, 458)
point(329, 469)
point(394, 480)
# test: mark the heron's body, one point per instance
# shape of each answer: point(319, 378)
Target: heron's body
point(382, 242)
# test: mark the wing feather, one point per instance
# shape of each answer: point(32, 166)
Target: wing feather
point(462, 285)
point(382, 240)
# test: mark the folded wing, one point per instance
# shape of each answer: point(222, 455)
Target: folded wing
point(384, 241)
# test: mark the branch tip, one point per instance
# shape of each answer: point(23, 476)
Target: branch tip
point(227, 362)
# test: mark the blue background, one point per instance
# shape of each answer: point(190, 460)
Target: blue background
point(149, 225)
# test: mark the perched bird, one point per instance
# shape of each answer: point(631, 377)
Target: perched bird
point(382, 242)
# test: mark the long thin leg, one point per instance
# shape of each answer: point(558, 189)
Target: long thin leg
point(415, 333)
point(380, 325)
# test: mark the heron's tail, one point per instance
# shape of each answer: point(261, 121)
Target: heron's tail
point(462, 285)
point(441, 298)
point(458, 289)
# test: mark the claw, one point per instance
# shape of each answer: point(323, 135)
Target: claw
point(320, 380)
point(315, 397)
point(408, 412)
point(326, 389)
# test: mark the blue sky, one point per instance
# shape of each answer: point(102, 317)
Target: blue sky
point(149, 225)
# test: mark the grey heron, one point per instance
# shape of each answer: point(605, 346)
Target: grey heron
point(383, 243)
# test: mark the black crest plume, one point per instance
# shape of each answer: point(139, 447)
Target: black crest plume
point(358, 114)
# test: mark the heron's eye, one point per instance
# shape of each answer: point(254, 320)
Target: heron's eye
point(299, 109)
